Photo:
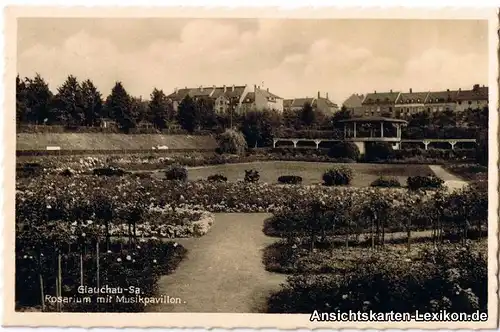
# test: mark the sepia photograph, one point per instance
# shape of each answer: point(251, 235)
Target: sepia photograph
point(336, 168)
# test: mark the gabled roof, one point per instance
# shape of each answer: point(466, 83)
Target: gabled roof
point(328, 102)
point(448, 96)
point(412, 97)
point(379, 98)
point(353, 101)
point(477, 93)
point(300, 102)
point(268, 94)
point(249, 98)
point(237, 93)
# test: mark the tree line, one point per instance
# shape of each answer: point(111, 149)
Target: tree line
point(80, 104)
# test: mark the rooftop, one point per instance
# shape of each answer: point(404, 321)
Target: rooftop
point(373, 119)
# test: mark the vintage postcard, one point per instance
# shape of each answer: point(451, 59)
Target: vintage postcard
point(251, 168)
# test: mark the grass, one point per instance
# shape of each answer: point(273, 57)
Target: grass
point(99, 141)
point(311, 172)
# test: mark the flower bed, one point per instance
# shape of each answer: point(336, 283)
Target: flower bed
point(395, 284)
point(201, 195)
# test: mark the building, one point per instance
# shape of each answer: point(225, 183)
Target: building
point(441, 101)
point(381, 104)
point(409, 103)
point(353, 104)
point(323, 104)
point(226, 98)
point(406, 104)
point(472, 99)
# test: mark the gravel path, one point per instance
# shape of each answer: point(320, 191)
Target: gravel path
point(450, 180)
point(223, 271)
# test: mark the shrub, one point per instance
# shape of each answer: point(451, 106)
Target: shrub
point(66, 172)
point(290, 179)
point(176, 172)
point(482, 152)
point(252, 175)
point(233, 142)
point(386, 182)
point(340, 175)
point(217, 178)
point(421, 182)
point(347, 150)
point(109, 171)
point(30, 170)
point(375, 151)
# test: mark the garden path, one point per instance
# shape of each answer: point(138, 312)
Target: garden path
point(223, 270)
point(450, 180)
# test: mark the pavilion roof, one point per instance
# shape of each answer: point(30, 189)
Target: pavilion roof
point(373, 119)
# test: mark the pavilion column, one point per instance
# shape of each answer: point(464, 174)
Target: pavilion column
point(382, 129)
point(354, 129)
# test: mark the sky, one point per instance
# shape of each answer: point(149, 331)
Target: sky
point(291, 57)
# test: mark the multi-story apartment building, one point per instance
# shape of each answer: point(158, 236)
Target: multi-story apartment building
point(379, 104)
point(409, 103)
point(439, 101)
point(323, 104)
point(405, 104)
point(237, 98)
point(472, 99)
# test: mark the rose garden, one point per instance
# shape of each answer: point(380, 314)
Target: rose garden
point(257, 230)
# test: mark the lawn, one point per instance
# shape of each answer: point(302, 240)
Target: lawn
point(311, 172)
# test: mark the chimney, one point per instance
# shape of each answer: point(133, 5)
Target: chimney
point(233, 88)
point(459, 89)
point(327, 95)
point(411, 91)
point(391, 90)
point(267, 89)
point(201, 87)
point(447, 90)
point(255, 88)
point(318, 95)
point(175, 90)
point(375, 91)
point(225, 89)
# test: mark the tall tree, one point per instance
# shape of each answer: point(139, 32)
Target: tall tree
point(139, 109)
point(307, 115)
point(21, 101)
point(38, 101)
point(206, 111)
point(68, 103)
point(188, 115)
point(92, 103)
point(118, 106)
point(257, 127)
point(159, 109)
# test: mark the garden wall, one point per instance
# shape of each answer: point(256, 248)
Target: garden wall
point(101, 141)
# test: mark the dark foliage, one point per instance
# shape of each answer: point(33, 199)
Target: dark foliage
point(424, 182)
point(346, 150)
point(252, 175)
point(290, 179)
point(177, 173)
point(339, 175)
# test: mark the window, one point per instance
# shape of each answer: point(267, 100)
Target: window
point(221, 109)
point(459, 103)
point(373, 113)
point(437, 100)
point(470, 102)
point(418, 100)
